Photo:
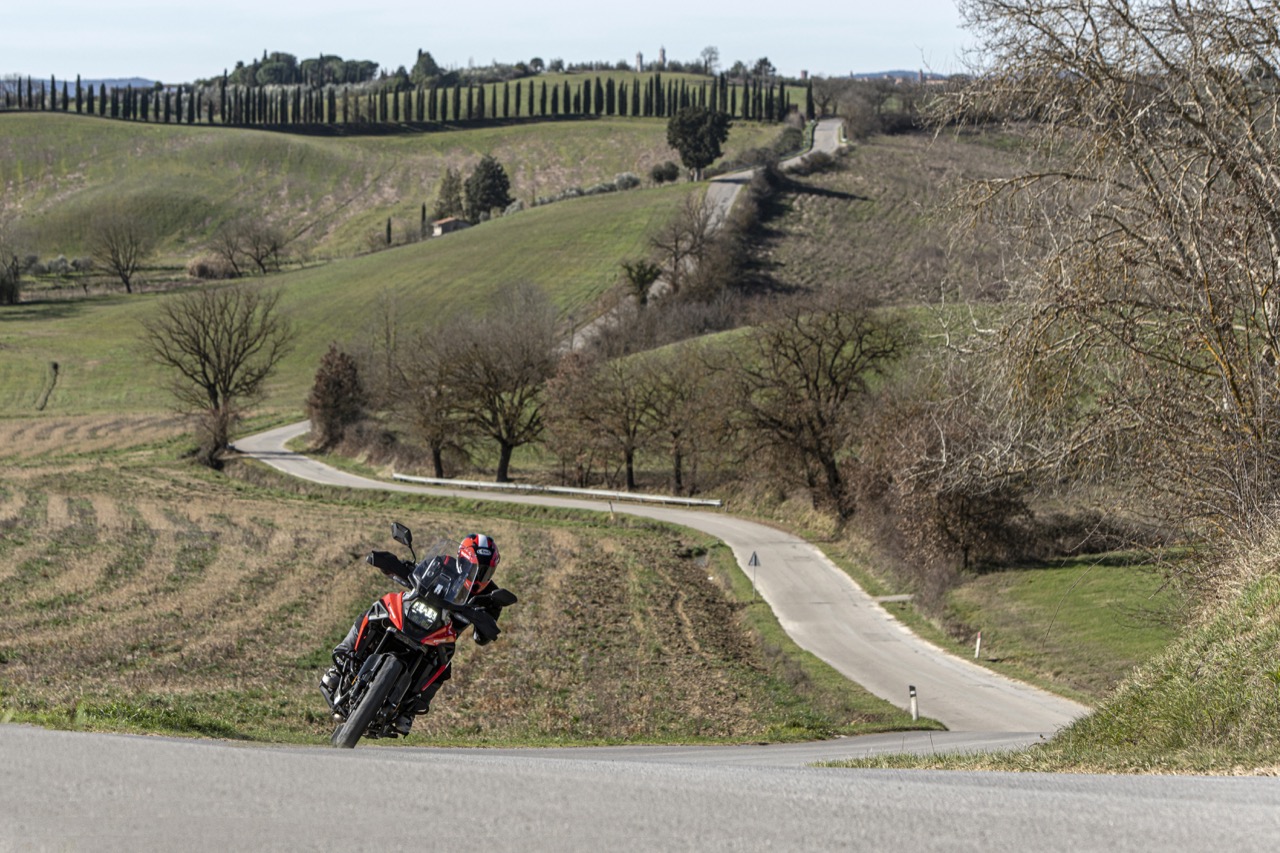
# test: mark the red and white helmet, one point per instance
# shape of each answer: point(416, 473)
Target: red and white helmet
point(483, 551)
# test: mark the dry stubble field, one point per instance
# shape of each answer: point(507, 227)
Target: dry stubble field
point(142, 593)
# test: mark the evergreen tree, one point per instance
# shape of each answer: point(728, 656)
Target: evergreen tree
point(543, 110)
point(698, 134)
point(506, 99)
point(65, 99)
point(191, 109)
point(555, 100)
point(337, 399)
point(457, 101)
point(635, 97)
point(102, 99)
point(487, 189)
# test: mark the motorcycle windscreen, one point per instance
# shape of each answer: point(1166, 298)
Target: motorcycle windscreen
point(448, 580)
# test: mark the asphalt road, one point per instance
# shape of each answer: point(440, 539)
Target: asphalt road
point(68, 791)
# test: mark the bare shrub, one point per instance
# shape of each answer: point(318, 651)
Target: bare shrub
point(207, 268)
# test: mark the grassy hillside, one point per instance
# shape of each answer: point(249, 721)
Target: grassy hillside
point(878, 222)
point(143, 595)
point(571, 248)
point(58, 172)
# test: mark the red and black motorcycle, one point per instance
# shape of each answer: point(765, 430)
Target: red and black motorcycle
point(407, 639)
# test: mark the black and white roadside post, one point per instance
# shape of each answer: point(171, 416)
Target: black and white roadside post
point(915, 708)
point(754, 563)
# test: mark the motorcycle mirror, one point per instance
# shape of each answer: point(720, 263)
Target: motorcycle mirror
point(401, 534)
point(503, 597)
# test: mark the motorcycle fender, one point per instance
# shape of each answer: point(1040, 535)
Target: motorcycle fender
point(369, 667)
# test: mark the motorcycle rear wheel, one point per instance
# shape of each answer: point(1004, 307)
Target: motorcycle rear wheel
point(347, 735)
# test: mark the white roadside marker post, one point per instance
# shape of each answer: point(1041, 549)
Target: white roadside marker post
point(915, 708)
point(977, 649)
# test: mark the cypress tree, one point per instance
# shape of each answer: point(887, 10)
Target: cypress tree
point(480, 106)
point(102, 99)
point(529, 111)
point(432, 105)
point(635, 97)
point(191, 110)
point(518, 98)
point(555, 100)
point(222, 97)
point(506, 99)
point(543, 111)
point(599, 97)
point(457, 101)
point(65, 100)
point(115, 103)
point(79, 95)
point(566, 100)
point(395, 107)
point(388, 230)
point(146, 105)
point(471, 102)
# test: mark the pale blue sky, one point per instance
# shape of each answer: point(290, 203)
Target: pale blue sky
point(174, 41)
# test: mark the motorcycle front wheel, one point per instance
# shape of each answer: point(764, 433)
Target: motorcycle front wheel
point(349, 733)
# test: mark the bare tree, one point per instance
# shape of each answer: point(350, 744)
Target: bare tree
point(423, 397)
point(498, 371)
point(685, 413)
point(222, 345)
point(121, 242)
point(264, 244)
point(683, 241)
point(801, 380)
point(1151, 253)
point(10, 271)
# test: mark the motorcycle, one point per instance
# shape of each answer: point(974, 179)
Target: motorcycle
point(407, 639)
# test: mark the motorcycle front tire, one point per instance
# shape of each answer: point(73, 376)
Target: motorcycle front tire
point(349, 733)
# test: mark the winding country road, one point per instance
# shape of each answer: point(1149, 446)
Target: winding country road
point(75, 791)
point(822, 609)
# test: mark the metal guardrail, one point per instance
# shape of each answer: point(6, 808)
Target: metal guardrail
point(560, 490)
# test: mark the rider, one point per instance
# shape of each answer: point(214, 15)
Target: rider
point(478, 548)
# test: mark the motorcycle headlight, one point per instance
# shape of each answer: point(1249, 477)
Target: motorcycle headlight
point(422, 614)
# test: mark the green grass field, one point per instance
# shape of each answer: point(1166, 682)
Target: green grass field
point(1079, 624)
point(333, 194)
point(571, 249)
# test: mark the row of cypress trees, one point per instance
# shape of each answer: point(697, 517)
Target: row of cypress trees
point(299, 105)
